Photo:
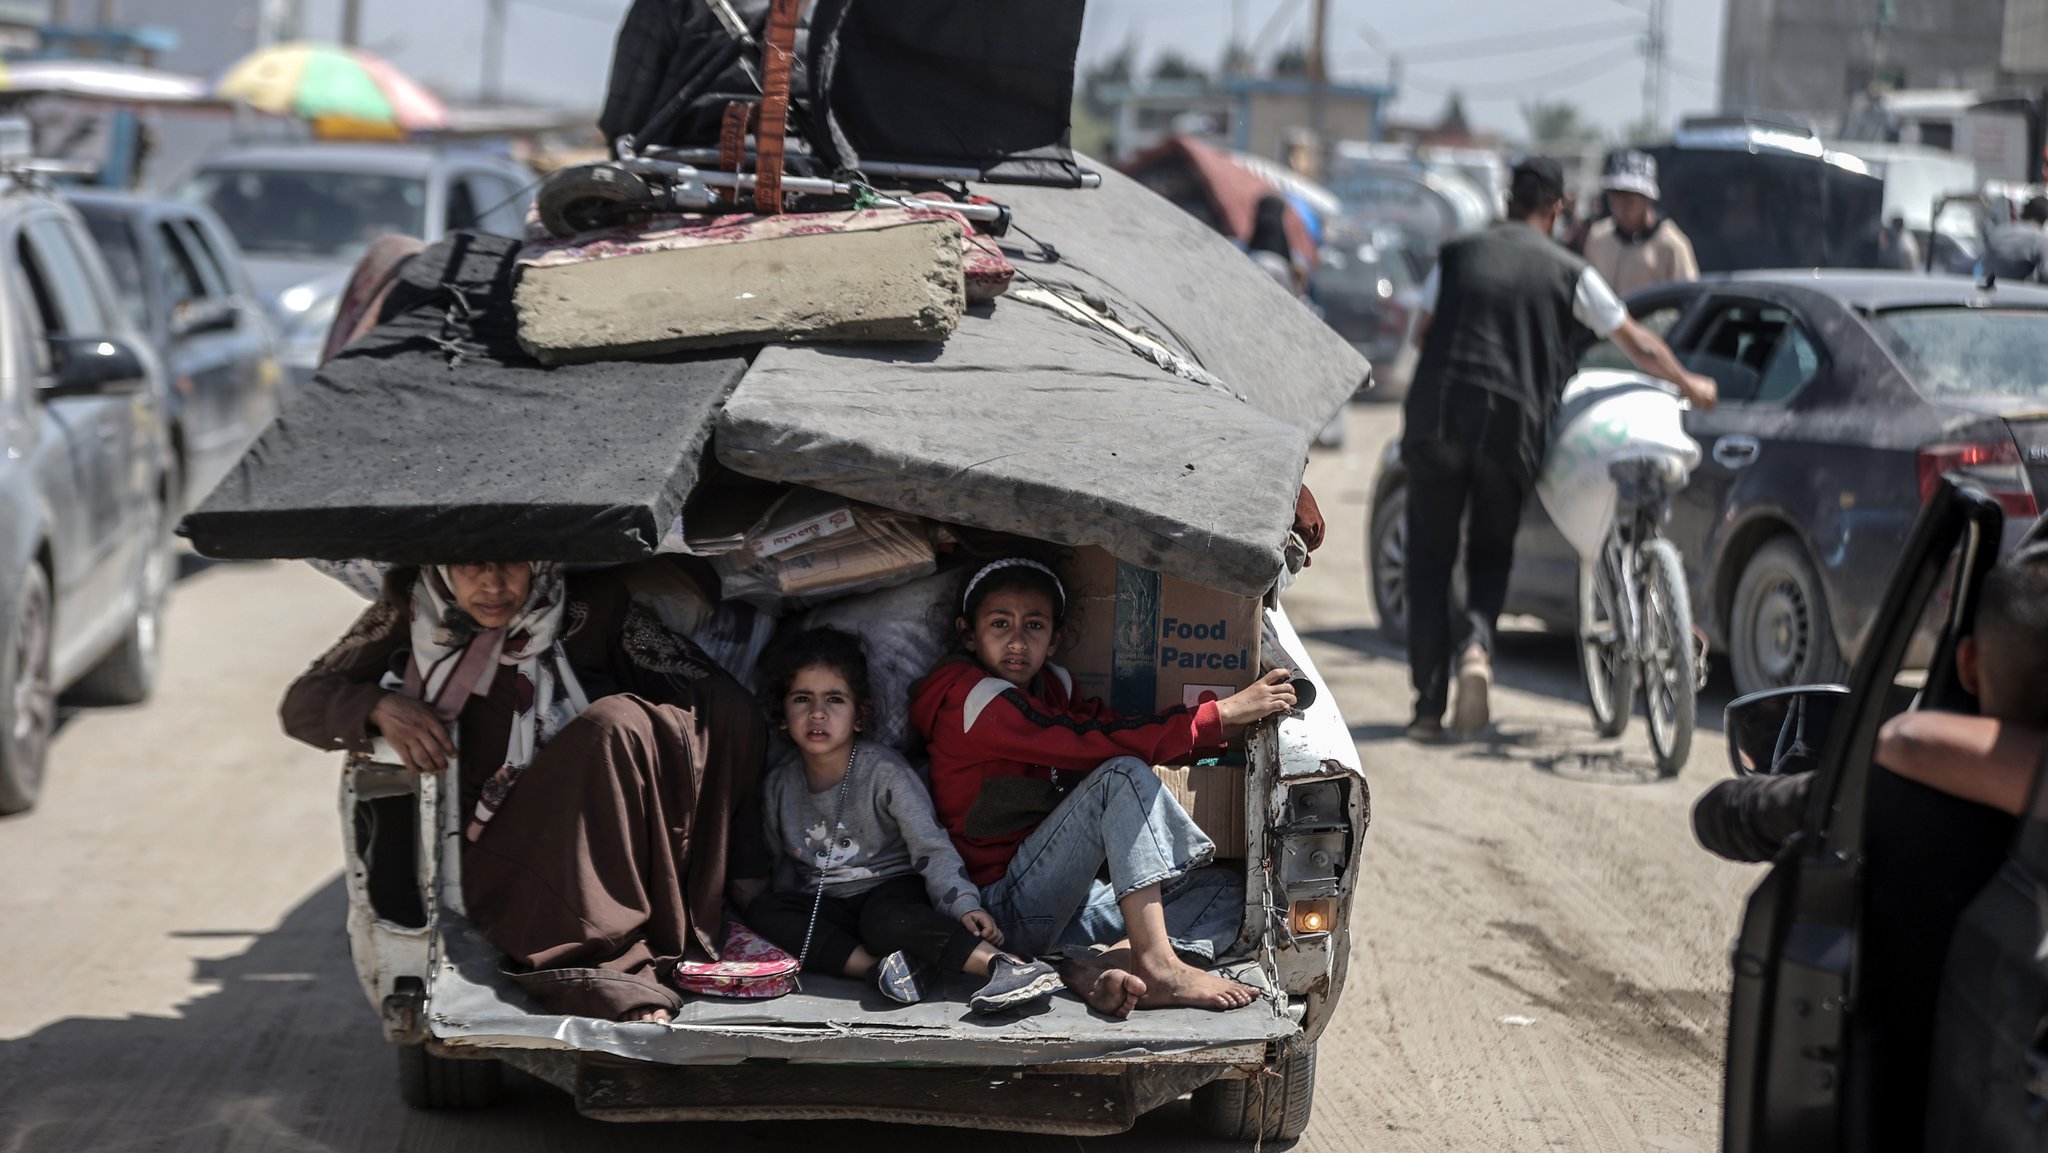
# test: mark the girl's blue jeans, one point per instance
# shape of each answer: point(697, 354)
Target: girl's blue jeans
point(1122, 821)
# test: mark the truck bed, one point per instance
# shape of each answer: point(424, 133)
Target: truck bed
point(838, 1020)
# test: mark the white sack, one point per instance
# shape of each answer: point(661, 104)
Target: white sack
point(1605, 417)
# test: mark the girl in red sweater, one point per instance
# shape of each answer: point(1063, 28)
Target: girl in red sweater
point(1040, 790)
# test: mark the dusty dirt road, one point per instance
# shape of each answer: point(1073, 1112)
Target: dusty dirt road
point(1540, 946)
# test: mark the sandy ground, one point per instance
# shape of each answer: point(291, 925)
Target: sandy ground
point(1540, 947)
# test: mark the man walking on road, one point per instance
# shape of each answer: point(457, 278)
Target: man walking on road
point(1505, 317)
point(2019, 251)
point(1636, 246)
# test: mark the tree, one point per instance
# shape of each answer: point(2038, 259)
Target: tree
point(1237, 60)
point(1113, 70)
point(1172, 65)
point(1291, 60)
point(1556, 122)
point(1453, 121)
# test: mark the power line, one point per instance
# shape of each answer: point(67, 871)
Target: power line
point(1558, 80)
point(1521, 42)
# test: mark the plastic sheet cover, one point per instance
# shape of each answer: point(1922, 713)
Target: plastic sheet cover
point(435, 439)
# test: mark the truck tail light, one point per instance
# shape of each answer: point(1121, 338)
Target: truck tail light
point(1994, 466)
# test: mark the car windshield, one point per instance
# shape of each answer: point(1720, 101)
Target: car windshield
point(1959, 352)
point(319, 215)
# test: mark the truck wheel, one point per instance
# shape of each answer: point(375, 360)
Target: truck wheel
point(28, 701)
point(1779, 633)
point(127, 674)
point(1386, 564)
point(429, 1082)
point(1231, 1109)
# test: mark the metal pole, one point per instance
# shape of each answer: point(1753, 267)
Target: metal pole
point(1318, 86)
point(351, 22)
point(494, 51)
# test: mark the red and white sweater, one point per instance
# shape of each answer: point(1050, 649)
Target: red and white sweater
point(978, 726)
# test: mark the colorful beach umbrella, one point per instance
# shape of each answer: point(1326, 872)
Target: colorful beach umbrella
point(337, 88)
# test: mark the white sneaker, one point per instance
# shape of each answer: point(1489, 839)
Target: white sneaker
point(1469, 709)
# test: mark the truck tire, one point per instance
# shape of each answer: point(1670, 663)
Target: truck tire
point(1779, 633)
point(28, 700)
point(1231, 1109)
point(429, 1082)
point(1386, 564)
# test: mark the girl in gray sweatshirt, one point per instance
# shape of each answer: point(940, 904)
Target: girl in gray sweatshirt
point(866, 883)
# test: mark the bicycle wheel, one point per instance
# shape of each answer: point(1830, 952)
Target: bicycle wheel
point(1670, 703)
point(1603, 650)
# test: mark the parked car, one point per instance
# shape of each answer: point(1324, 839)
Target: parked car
point(86, 489)
point(1367, 288)
point(303, 213)
point(181, 279)
point(1844, 397)
point(1888, 991)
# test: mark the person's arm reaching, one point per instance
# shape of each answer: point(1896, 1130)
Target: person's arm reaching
point(1595, 305)
point(1647, 351)
point(1980, 759)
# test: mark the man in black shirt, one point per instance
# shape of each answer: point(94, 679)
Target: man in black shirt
point(1506, 315)
point(2019, 251)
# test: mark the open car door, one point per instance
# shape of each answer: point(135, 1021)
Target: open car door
point(1989, 1082)
point(1832, 1007)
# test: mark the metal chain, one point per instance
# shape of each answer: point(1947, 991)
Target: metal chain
point(831, 830)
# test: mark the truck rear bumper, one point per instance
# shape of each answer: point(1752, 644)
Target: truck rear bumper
point(1017, 1100)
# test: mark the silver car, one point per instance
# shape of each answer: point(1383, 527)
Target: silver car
point(304, 213)
point(85, 487)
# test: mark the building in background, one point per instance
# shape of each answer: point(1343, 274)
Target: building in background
point(1265, 116)
point(1816, 58)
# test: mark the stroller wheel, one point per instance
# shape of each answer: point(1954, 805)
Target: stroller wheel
point(591, 196)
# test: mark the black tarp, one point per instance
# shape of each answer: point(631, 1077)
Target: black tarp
point(435, 439)
point(1745, 210)
point(987, 87)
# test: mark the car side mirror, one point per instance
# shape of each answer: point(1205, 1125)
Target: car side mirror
point(193, 317)
point(1779, 732)
point(93, 366)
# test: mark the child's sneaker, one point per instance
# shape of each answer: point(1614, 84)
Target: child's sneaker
point(1014, 984)
point(902, 978)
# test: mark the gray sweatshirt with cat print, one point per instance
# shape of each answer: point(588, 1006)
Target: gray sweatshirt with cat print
point(886, 830)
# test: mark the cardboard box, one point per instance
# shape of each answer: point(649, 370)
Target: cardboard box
point(1214, 796)
point(1145, 642)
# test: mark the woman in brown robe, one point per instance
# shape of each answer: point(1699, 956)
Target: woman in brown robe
point(608, 769)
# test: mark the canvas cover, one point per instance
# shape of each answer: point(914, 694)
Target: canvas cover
point(435, 439)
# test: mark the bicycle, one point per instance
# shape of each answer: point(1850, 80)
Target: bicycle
point(1635, 614)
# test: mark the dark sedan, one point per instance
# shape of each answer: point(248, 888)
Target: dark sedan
point(1844, 397)
point(181, 280)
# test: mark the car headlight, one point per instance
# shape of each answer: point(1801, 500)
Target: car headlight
point(306, 337)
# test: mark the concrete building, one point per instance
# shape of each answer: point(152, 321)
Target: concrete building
point(1812, 58)
point(1264, 116)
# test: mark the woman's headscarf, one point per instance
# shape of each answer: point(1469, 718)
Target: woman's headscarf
point(454, 657)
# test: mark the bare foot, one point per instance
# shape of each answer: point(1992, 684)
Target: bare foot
point(1177, 983)
point(648, 1015)
point(1106, 987)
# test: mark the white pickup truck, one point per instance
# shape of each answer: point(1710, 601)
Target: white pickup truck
point(828, 1052)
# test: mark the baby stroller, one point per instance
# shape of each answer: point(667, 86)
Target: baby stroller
point(716, 107)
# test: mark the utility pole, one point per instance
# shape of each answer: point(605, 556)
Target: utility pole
point(1318, 86)
point(494, 50)
point(1654, 55)
point(351, 22)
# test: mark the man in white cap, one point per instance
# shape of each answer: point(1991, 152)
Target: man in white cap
point(1635, 247)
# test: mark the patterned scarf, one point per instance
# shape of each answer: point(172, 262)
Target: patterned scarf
point(452, 658)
